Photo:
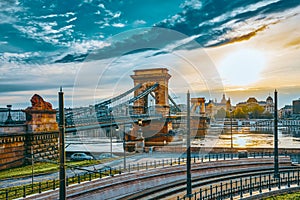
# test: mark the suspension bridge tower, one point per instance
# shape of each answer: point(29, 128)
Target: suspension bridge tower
point(148, 78)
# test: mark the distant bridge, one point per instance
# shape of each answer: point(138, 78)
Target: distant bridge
point(289, 123)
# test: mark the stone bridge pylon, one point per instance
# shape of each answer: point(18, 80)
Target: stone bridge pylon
point(148, 78)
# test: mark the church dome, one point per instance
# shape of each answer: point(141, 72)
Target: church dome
point(269, 98)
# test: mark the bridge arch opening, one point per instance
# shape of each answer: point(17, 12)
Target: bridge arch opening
point(149, 78)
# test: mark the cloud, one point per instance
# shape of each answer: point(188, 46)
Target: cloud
point(293, 43)
point(139, 22)
point(246, 36)
point(241, 10)
point(118, 25)
point(194, 4)
point(221, 23)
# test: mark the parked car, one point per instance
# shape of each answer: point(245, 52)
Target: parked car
point(107, 155)
point(81, 156)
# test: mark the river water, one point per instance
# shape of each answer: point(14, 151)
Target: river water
point(249, 137)
point(242, 137)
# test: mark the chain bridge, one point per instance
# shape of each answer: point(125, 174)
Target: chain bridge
point(147, 102)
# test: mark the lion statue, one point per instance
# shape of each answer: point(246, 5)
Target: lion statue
point(38, 103)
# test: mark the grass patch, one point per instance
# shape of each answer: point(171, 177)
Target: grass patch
point(38, 187)
point(291, 196)
point(27, 170)
point(41, 168)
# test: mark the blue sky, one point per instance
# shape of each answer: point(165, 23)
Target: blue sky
point(241, 48)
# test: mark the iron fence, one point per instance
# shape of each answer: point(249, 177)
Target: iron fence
point(245, 186)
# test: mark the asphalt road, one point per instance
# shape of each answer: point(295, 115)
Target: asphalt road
point(132, 159)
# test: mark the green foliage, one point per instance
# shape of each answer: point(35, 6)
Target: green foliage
point(251, 112)
point(256, 112)
point(40, 168)
point(27, 170)
point(37, 187)
point(221, 113)
point(239, 113)
point(291, 196)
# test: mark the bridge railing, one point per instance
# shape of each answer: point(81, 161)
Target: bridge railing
point(88, 175)
point(18, 116)
point(107, 120)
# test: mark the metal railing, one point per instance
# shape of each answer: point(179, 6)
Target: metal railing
point(246, 186)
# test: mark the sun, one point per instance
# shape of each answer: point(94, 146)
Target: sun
point(242, 67)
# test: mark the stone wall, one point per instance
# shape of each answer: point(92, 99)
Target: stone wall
point(16, 148)
point(43, 145)
point(37, 137)
point(12, 150)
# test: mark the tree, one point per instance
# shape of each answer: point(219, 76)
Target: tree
point(257, 111)
point(239, 113)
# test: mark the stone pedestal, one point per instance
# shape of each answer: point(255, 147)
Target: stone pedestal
point(40, 117)
point(42, 130)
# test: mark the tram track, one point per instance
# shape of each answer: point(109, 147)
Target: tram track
point(163, 182)
point(176, 187)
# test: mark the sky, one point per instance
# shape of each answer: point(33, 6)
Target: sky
point(91, 47)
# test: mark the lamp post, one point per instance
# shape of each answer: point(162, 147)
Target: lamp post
point(124, 147)
point(140, 142)
point(276, 170)
point(110, 134)
point(9, 118)
point(62, 153)
point(188, 146)
point(32, 165)
point(231, 139)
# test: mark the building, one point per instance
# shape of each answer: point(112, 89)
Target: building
point(296, 107)
point(285, 112)
point(268, 105)
point(213, 106)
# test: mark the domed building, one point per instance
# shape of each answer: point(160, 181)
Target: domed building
point(213, 106)
point(269, 105)
point(252, 101)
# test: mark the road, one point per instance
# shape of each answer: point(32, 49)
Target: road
point(132, 159)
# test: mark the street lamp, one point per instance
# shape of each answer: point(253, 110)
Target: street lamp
point(231, 141)
point(276, 165)
point(140, 144)
point(124, 148)
point(110, 134)
point(140, 122)
point(9, 118)
point(32, 165)
point(188, 150)
point(62, 152)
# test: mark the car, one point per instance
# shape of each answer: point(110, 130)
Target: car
point(107, 155)
point(81, 156)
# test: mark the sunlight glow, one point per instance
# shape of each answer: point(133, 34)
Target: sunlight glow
point(240, 141)
point(242, 67)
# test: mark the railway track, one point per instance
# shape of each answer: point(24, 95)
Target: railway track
point(172, 190)
point(164, 182)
